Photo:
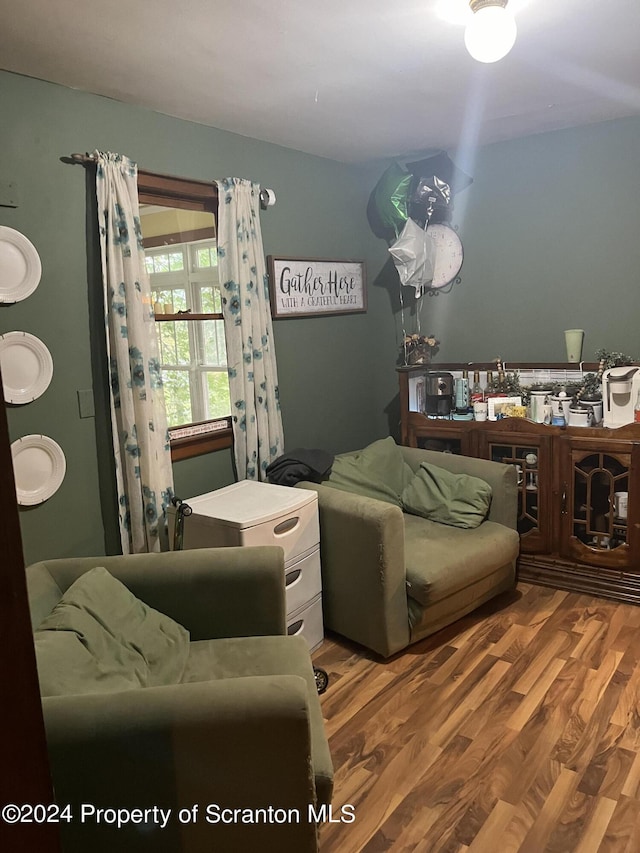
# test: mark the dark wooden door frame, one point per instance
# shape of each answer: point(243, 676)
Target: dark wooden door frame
point(24, 765)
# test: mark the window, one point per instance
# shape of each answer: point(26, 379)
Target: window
point(193, 354)
point(178, 229)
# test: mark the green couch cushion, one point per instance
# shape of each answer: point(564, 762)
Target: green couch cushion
point(126, 638)
point(236, 657)
point(66, 666)
point(44, 594)
point(379, 471)
point(457, 500)
point(441, 560)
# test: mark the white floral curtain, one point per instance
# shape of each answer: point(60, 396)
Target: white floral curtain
point(251, 358)
point(144, 475)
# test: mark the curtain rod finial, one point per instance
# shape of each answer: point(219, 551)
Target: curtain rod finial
point(267, 198)
point(82, 158)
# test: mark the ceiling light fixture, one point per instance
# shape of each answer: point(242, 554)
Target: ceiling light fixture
point(491, 32)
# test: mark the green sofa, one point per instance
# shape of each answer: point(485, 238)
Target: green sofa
point(242, 730)
point(391, 578)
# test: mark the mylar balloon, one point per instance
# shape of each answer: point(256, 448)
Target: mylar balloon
point(390, 197)
point(429, 200)
point(435, 181)
point(442, 166)
point(413, 254)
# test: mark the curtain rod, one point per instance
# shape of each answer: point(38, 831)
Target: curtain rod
point(91, 160)
point(267, 196)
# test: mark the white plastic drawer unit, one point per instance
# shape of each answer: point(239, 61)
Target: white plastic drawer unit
point(303, 581)
point(251, 513)
point(308, 622)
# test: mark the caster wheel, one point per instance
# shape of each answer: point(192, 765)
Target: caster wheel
point(322, 679)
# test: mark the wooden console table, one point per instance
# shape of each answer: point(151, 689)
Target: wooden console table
point(570, 537)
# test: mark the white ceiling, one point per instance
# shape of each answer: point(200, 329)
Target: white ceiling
point(347, 79)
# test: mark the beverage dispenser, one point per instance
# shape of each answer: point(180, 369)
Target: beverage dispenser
point(620, 387)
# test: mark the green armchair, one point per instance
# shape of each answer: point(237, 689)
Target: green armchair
point(235, 753)
point(390, 578)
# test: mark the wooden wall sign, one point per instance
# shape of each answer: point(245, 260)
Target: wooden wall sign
point(316, 287)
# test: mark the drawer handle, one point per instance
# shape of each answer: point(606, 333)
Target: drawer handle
point(292, 577)
point(286, 526)
point(295, 628)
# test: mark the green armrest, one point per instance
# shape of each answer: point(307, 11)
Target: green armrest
point(364, 594)
point(183, 745)
point(501, 478)
point(212, 592)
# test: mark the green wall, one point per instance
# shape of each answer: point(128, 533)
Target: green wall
point(551, 236)
point(550, 228)
point(551, 233)
point(323, 363)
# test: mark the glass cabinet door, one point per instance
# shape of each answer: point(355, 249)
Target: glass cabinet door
point(531, 456)
point(445, 436)
point(597, 503)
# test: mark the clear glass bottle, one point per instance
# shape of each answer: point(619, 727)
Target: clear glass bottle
point(477, 394)
point(465, 376)
point(489, 388)
point(420, 400)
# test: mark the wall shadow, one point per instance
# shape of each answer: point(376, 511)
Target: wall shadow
point(100, 373)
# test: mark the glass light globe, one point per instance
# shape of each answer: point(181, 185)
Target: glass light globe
point(490, 34)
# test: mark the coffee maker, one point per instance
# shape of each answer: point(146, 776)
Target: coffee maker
point(620, 387)
point(438, 394)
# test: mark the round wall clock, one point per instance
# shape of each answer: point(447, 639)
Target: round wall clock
point(449, 254)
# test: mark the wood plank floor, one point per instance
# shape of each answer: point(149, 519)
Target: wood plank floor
point(516, 729)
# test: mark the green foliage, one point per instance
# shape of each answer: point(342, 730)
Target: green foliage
point(218, 398)
point(591, 386)
point(177, 397)
point(512, 383)
point(609, 359)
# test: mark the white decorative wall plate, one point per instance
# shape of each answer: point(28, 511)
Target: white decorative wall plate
point(27, 367)
point(20, 267)
point(39, 466)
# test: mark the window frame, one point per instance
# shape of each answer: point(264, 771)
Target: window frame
point(188, 194)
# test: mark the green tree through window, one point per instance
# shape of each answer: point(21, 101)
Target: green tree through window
point(184, 285)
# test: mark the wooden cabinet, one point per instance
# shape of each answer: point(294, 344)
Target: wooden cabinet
point(572, 536)
point(529, 446)
point(601, 546)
